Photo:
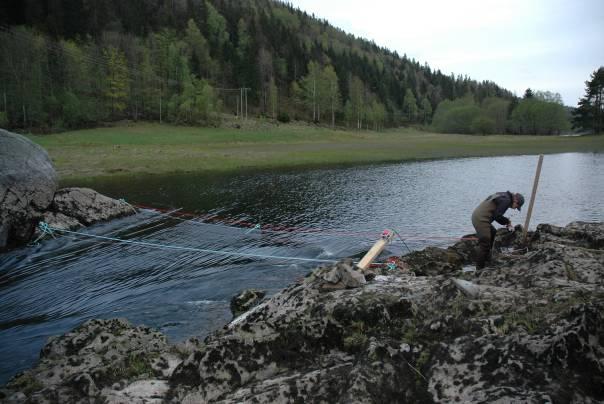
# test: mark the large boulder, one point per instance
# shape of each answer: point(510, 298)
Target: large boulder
point(28, 182)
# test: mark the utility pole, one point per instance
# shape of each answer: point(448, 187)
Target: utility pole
point(237, 101)
point(245, 90)
point(241, 101)
point(314, 91)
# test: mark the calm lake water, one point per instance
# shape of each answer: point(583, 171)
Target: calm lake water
point(321, 214)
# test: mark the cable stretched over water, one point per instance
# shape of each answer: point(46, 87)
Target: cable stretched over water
point(277, 228)
point(46, 228)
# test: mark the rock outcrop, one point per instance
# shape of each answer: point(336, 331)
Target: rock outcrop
point(73, 208)
point(527, 328)
point(28, 195)
point(88, 206)
point(28, 182)
point(101, 357)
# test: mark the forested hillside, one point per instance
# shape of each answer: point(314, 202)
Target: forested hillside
point(77, 63)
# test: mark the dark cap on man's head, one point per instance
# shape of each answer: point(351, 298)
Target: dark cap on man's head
point(520, 201)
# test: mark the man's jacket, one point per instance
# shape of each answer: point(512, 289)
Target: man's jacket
point(494, 207)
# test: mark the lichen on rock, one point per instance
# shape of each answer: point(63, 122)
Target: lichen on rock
point(245, 300)
point(527, 328)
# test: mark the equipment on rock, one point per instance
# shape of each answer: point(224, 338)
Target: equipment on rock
point(533, 194)
point(467, 288)
point(395, 263)
point(377, 248)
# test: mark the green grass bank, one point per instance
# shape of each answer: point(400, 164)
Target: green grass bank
point(146, 148)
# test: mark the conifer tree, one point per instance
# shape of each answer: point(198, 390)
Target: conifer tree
point(590, 113)
point(21, 61)
point(217, 29)
point(198, 49)
point(244, 63)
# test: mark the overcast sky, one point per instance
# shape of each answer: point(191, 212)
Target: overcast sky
point(548, 45)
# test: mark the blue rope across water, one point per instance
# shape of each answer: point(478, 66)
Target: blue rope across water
point(46, 229)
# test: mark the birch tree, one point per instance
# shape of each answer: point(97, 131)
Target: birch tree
point(356, 107)
point(310, 86)
point(117, 80)
point(410, 106)
point(333, 98)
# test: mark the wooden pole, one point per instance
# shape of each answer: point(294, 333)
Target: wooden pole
point(530, 208)
point(377, 248)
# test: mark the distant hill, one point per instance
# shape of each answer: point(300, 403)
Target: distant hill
point(184, 60)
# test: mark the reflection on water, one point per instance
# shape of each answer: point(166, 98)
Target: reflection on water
point(316, 214)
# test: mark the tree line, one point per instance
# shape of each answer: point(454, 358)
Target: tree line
point(77, 63)
point(540, 113)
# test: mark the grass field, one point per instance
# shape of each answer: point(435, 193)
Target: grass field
point(157, 149)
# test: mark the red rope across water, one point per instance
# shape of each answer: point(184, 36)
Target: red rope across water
point(215, 219)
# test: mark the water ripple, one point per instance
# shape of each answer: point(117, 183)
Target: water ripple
point(318, 214)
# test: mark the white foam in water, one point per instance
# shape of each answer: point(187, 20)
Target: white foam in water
point(205, 302)
point(468, 268)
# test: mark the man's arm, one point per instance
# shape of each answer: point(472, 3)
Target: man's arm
point(502, 203)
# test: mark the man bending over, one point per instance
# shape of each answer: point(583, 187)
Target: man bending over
point(492, 208)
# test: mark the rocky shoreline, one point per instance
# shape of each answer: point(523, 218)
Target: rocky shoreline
point(29, 195)
point(528, 328)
